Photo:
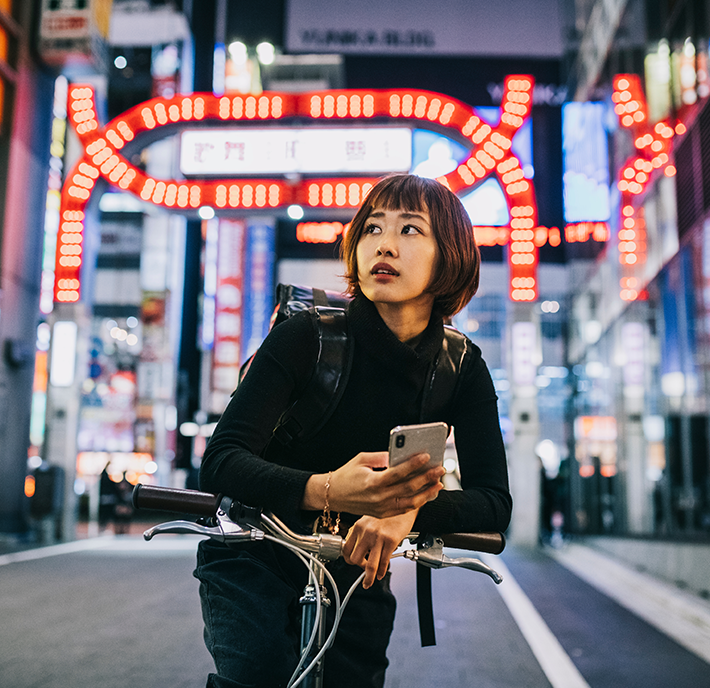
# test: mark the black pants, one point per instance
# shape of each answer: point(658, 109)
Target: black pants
point(252, 618)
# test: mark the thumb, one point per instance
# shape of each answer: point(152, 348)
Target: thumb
point(373, 460)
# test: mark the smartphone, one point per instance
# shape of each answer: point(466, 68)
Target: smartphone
point(408, 440)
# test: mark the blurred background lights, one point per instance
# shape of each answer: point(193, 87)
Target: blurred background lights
point(43, 336)
point(238, 52)
point(549, 306)
point(170, 418)
point(295, 212)
point(592, 331)
point(131, 321)
point(206, 212)
point(120, 62)
point(450, 465)
point(673, 384)
point(595, 369)
point(266, 53)
point(550, 456)
point(189, 429)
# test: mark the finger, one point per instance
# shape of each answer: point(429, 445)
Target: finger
point(385, 557)
point(419, 483)
point(348, 546)
point(404, 504)
point(413, 466)
point(359, 553)
point(372, 566)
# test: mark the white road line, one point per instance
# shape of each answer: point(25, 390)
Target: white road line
point(106, 543)
point(54, 550)
point(554, 661)
point(681, 616)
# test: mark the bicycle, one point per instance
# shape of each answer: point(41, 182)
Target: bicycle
point(230, 522)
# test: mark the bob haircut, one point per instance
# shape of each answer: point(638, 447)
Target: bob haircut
point(457, 272)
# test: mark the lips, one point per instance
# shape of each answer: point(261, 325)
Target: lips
point(384, 269)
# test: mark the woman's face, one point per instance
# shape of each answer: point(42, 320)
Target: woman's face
point(397, 257)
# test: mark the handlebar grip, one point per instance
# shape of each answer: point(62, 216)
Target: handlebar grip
point(173, 499)
point(492, 543)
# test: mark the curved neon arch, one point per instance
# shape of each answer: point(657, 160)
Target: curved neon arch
point(654, 149)
point(491, 154)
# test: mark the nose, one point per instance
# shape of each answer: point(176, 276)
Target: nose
point(387, 245)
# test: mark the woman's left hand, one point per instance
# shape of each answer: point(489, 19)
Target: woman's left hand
point(371, 542)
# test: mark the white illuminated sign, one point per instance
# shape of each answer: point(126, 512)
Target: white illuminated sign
point(315, 150)
point(524, 353)
point(63, 362)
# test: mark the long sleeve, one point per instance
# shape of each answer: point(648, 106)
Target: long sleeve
point(484, 503)
point(233, 463)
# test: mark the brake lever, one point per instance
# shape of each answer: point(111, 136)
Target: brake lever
point(430, 552)
point(226, 530)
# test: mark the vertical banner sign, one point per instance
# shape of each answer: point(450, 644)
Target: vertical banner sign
point(259, 283)
point(227, 352)
point(633, 339)
point(524, 353)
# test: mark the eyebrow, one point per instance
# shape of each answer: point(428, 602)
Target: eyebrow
point(405, 215)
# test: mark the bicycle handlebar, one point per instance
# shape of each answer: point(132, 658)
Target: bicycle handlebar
point(174, 499)
point(206, 504)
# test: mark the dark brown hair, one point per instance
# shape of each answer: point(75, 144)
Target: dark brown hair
point(457, 272)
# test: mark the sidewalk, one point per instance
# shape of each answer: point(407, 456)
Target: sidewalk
point(682, 616)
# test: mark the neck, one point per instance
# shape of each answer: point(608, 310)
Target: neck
point(407, 322)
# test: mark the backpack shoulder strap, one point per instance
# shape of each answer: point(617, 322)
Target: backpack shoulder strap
point(444, 377)
point(445, 374)
point(313, 408)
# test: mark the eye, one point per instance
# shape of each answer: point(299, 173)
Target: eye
point(410, 229)
point(371, 229)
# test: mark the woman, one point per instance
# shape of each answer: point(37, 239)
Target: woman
point(411, 261)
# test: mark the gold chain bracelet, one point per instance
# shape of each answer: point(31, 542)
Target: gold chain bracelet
point(326, 517)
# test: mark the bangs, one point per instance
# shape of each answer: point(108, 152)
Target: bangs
point(399, 193)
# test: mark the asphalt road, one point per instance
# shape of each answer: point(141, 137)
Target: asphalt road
point(122, 613)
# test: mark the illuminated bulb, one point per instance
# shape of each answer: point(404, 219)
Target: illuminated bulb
point(295, 212)
point(238, 52)
point(266, 53)
point(206, 212)
point(120, 62)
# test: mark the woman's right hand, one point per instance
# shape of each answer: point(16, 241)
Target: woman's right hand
point(366, 486)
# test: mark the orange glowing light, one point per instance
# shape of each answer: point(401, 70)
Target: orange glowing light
point(30, 486)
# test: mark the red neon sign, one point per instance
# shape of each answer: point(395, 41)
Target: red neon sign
point(491, 154)
point(653, 148)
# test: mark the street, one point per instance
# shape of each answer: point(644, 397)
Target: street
point(116, 612)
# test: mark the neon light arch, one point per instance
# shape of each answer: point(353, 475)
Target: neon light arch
point(491, 154)
point(654, 147)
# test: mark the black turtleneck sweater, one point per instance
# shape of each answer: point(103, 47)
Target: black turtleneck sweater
point(383, 390)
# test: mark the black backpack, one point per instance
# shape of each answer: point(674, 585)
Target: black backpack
point(308, 414)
